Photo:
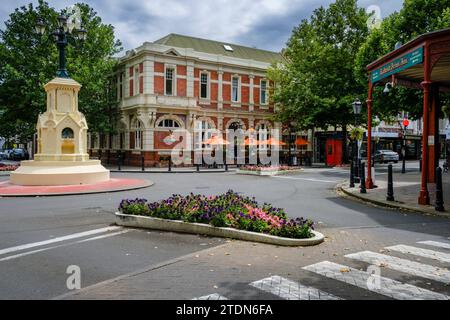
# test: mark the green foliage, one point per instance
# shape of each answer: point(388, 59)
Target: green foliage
point(316, 85)
point(357, 133)
point(30, 60)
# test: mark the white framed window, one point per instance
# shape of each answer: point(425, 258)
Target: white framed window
point(235, 89)
point(168, 123)
point(263, 92)
point(204, 85)
point(262, 132)
point(203, 131)
point(169, 81)
point(138, 136)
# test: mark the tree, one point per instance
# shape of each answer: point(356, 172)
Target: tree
point(316, 84)
point(415, 18)
point(30, 60)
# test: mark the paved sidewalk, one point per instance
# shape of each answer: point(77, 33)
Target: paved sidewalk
point(406, 192)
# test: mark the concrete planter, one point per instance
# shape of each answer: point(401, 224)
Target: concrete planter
point(266, 172)
point(205, 229)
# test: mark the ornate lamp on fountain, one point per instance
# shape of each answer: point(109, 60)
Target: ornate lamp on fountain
point(61, 157)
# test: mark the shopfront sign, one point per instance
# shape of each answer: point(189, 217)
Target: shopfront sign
point(404, 62)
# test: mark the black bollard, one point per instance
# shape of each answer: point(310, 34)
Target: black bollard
point(226, 166)
point(143, 163)
point(119, 162)
point(390, 186)
point(363, 178)
point(352, 175)
point(170, 164)
point(198, 167)
point(439, 206)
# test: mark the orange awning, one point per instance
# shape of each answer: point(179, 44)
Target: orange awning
point(251, 142)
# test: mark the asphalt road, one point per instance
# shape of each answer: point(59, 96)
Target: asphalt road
point(38, 270)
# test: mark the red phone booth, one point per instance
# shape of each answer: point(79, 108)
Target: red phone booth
point(334, 152)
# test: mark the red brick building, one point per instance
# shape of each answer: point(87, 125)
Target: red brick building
point(181, 82)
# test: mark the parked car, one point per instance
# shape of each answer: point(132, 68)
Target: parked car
point(3, 155)
point(385, 156)
point(19, 154)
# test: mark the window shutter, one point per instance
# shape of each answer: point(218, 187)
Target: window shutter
point(131, 87)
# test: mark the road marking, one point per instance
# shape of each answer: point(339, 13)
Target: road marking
point(445, 245)
point(59, 239)
point(388, 287)
point(214, 296)
point(307, 179)
point(431, 254)
point(403, 265)
point(61, 245)
point(290, 290)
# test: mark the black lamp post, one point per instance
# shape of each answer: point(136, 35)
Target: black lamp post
point(356, 111)
point(62, 34)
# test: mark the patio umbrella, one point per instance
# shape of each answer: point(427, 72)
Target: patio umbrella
point(301, 142)
point(251, 142)
point(216, 141)
point(273, 142)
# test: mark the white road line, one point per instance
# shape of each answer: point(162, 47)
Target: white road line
point(307, 179)
point(214, 296)
point(385, 286)
point(59, 239)
point(431, 254)
point(290, 290)
point(61, 245)
point(403, 265)
point(444, 245)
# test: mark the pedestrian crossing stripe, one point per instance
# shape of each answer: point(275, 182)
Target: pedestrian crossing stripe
point(385, 286)
point(213, 296)
point(444, 245)
point(290, 290)
point(426, 253)
point(403, 265)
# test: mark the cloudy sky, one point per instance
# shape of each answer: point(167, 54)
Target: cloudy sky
point(265, 24)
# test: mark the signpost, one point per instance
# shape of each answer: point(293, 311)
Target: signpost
point(404, 62)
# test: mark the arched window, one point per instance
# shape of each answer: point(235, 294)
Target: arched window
point(67, 133)
point(168, 123)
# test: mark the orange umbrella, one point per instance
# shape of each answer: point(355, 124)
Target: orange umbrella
point(251, 142)
point(215, 141)
point(273, 142)
point(301, 142)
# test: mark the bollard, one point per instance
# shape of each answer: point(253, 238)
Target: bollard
point(352, 175)
point(390, 189)
point(420, 165)
point(439, 206)
point(143, 163)
point(226, 166)
point(363, 178)
point(170, 164)
point(198, 167)
point(119, 161)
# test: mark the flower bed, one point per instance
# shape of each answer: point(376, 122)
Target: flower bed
point(267, 171)
point(8, 168)
point(228, 210)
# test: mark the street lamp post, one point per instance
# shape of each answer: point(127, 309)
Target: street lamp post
point(356, 111)
point(62, 34)
point(405, 124)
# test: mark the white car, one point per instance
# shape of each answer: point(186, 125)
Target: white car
point(385, 156)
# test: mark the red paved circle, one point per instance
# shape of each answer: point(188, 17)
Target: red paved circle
point(7, 189)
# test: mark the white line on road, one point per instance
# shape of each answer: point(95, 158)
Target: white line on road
point(59, 239)
point(290, 290)
point(62, 245)
point(214, 296)
point(444, 245)
point(431, 254)
point(403, 265)
point(307, 179)
point(385, 286)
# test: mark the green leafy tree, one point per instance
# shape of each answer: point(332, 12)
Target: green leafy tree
point(30, 60)
point(316, 84)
